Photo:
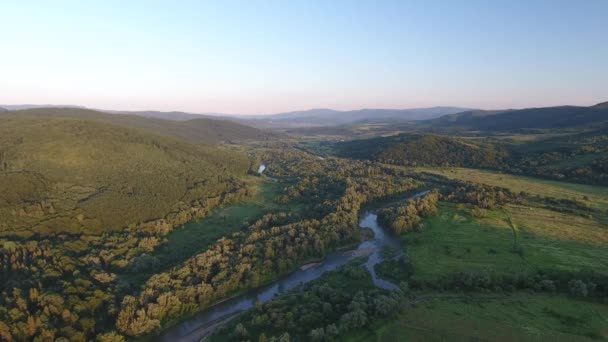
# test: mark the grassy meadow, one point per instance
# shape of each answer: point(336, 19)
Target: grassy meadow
point(518, 317)
point(453, 241)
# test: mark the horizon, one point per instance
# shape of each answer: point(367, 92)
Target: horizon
point(116, 111)
point(253, 58)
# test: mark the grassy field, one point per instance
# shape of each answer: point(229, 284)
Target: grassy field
point(596, 196)
point(518, 317)
point(453, 241)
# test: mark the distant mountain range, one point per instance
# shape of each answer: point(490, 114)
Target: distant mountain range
point(32, 106)
point(305, 118)
point(434, 118)
point(330, 117)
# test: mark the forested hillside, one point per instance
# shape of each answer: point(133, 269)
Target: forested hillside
point(421, 150)
point(529, 118)
point(82, 203)
point(71, 175)
point(579, 157)
point(200, 130)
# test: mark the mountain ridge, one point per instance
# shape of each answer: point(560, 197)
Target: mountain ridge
point(526, 118)
point(198, 130)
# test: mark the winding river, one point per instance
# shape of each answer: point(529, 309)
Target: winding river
point(199, 325)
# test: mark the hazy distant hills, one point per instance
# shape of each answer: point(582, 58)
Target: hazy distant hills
point(330, 117)
point(529, 118)
point(311, 118)
point(216, 127)
point(173, 115)
point(197, 130)
point(32, 106)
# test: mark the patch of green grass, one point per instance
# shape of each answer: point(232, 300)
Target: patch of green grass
point(453, 241)
point(519, 317)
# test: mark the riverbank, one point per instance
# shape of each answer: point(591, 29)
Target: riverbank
point(331, 262)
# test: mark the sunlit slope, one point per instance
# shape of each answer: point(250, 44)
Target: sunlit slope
point(62, 174)
point(200, 130)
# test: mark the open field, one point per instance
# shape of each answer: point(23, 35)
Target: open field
point(453, 241)
point(518, 317)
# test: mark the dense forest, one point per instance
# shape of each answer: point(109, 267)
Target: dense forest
point(424, 150)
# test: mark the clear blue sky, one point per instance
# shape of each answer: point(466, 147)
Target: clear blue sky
point(271, 56)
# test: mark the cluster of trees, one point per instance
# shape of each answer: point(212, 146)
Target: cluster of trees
point(402, 219)
point(435, 150)
point(578, 157)
point(578, 285)
point(321, 311)
point(479, 195)
point(267, 248)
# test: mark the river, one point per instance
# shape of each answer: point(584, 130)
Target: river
point(197, 326)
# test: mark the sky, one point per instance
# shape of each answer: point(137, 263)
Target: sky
point(254, 57)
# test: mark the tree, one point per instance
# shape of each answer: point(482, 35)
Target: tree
point(110, 337)
point(317, 334)
point(240, 331)
point(578, 288)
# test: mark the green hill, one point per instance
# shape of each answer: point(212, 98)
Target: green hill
point(529, 118)
point(200, 130)
point(65, 174)
point(429, 150)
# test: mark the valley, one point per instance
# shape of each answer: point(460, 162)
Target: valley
point(303, 171)
point(116, 233)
